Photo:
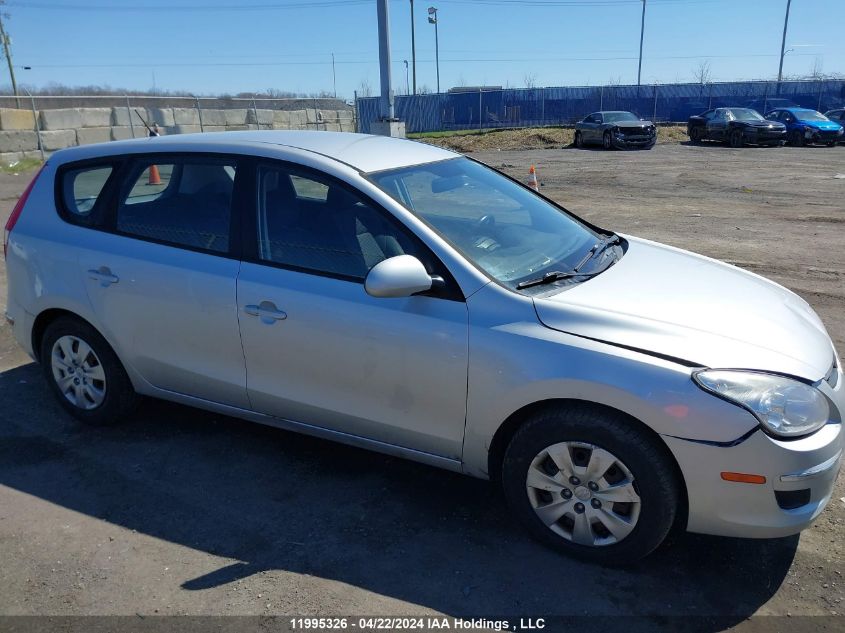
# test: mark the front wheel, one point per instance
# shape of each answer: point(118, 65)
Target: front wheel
point(796, 139)
point(607, 140)
point(736, 139)
point(85, 374)
point(579, 140)
point(591, 484)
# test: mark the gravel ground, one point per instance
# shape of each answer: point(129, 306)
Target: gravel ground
point(185, 512)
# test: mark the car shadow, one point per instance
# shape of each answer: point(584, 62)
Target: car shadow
point(274, 500)
point(722, 145)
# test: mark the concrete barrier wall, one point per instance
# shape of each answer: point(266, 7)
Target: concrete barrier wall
point(23, 133)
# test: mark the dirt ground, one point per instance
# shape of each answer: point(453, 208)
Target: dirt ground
point(529, 138)
point(185, 512)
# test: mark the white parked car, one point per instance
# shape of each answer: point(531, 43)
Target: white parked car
point(403, 298)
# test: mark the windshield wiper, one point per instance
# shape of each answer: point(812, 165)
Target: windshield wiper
point(596, 249)
point(556, 275)
point(552, 277)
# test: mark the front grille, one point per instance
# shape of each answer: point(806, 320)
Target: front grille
point(638, 131)
point(827, 135)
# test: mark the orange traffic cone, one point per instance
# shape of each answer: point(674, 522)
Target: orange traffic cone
point(532, 179)
point(155, 177)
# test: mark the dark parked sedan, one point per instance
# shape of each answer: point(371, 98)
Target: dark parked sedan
point(735, 126)
point(837, 116)
point(621, 130)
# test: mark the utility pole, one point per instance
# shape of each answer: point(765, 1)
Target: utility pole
point(783, 43)
point(413, 48)
point(8, 52)
point(642, 35)
point(334, 78)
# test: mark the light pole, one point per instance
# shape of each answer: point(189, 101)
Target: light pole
point(413, 48)
point(642, 35)
point(432, 19)
point(407, 89)
point(783, 43)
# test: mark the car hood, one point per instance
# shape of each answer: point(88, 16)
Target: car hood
point(636, 124)
point(822, 125)
point(673, 303)
point(765, 124)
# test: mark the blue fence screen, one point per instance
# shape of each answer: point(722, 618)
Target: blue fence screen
point(561, 106)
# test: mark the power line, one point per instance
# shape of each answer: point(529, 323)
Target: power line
point(145, 8)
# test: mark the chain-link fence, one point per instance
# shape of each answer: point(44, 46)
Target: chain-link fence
point(467, 109)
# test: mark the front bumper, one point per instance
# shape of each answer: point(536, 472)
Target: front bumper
point(800, 475)
point(823, 136)
point(634, 141)
point(764, 136)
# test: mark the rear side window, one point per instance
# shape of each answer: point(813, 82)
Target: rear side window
point(81, 190)
point(184, 203)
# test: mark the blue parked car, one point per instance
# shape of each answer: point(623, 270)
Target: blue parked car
point(804, 126)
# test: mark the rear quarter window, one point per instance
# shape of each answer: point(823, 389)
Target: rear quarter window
point(81, 189)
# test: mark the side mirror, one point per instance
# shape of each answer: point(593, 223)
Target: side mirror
point(400, 276)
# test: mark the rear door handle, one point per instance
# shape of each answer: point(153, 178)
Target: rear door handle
point(266, 311)
point(104, 276)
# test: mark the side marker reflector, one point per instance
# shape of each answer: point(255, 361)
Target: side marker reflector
point(744, 478)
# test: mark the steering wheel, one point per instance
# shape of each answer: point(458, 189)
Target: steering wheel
point(485, 222)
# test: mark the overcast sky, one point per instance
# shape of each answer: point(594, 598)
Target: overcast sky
point(220, 46)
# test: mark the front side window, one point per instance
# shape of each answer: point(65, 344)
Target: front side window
point(185, 202)
point(503, 228)
point(81, 189)
point(310, 223)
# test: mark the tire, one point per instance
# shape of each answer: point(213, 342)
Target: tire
point(695, 135)
point(832, 144)
point(641, 524)
point(94, 386)
point(796, 139)
point(735, 139)
point(607, 140)
point(579, 140)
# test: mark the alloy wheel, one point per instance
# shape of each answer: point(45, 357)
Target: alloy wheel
point(78, 372)
point(583, 493)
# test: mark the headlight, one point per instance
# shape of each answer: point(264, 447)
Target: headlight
point(785, 407)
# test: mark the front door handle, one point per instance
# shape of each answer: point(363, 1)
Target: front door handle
point(104, 276)
point(266, 311)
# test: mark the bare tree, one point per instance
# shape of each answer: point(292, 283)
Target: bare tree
point(818, 65)
point(365, 89)
point(702, 73)
point(530, 80)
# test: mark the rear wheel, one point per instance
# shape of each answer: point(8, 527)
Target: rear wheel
point(695, 135)
point(796, 139)
point(85, 374)
point(735, 139)
point(590, 484)
point(607, 140)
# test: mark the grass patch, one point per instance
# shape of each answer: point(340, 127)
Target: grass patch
point(21, 166)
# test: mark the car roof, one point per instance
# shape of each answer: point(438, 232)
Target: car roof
point(364, 152)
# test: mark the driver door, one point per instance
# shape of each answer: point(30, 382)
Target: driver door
point(717, 126)
point(319, 350)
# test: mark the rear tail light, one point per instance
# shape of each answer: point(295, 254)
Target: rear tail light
point(16, 212)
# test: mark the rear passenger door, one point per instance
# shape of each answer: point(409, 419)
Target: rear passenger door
point(161, 273)
point(319, 349)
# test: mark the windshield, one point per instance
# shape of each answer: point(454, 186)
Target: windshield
point(503, 228)
point(810, 115)
point(746, 114)
point(615, 117)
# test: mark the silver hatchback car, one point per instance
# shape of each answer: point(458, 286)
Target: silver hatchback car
point(403, 298)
